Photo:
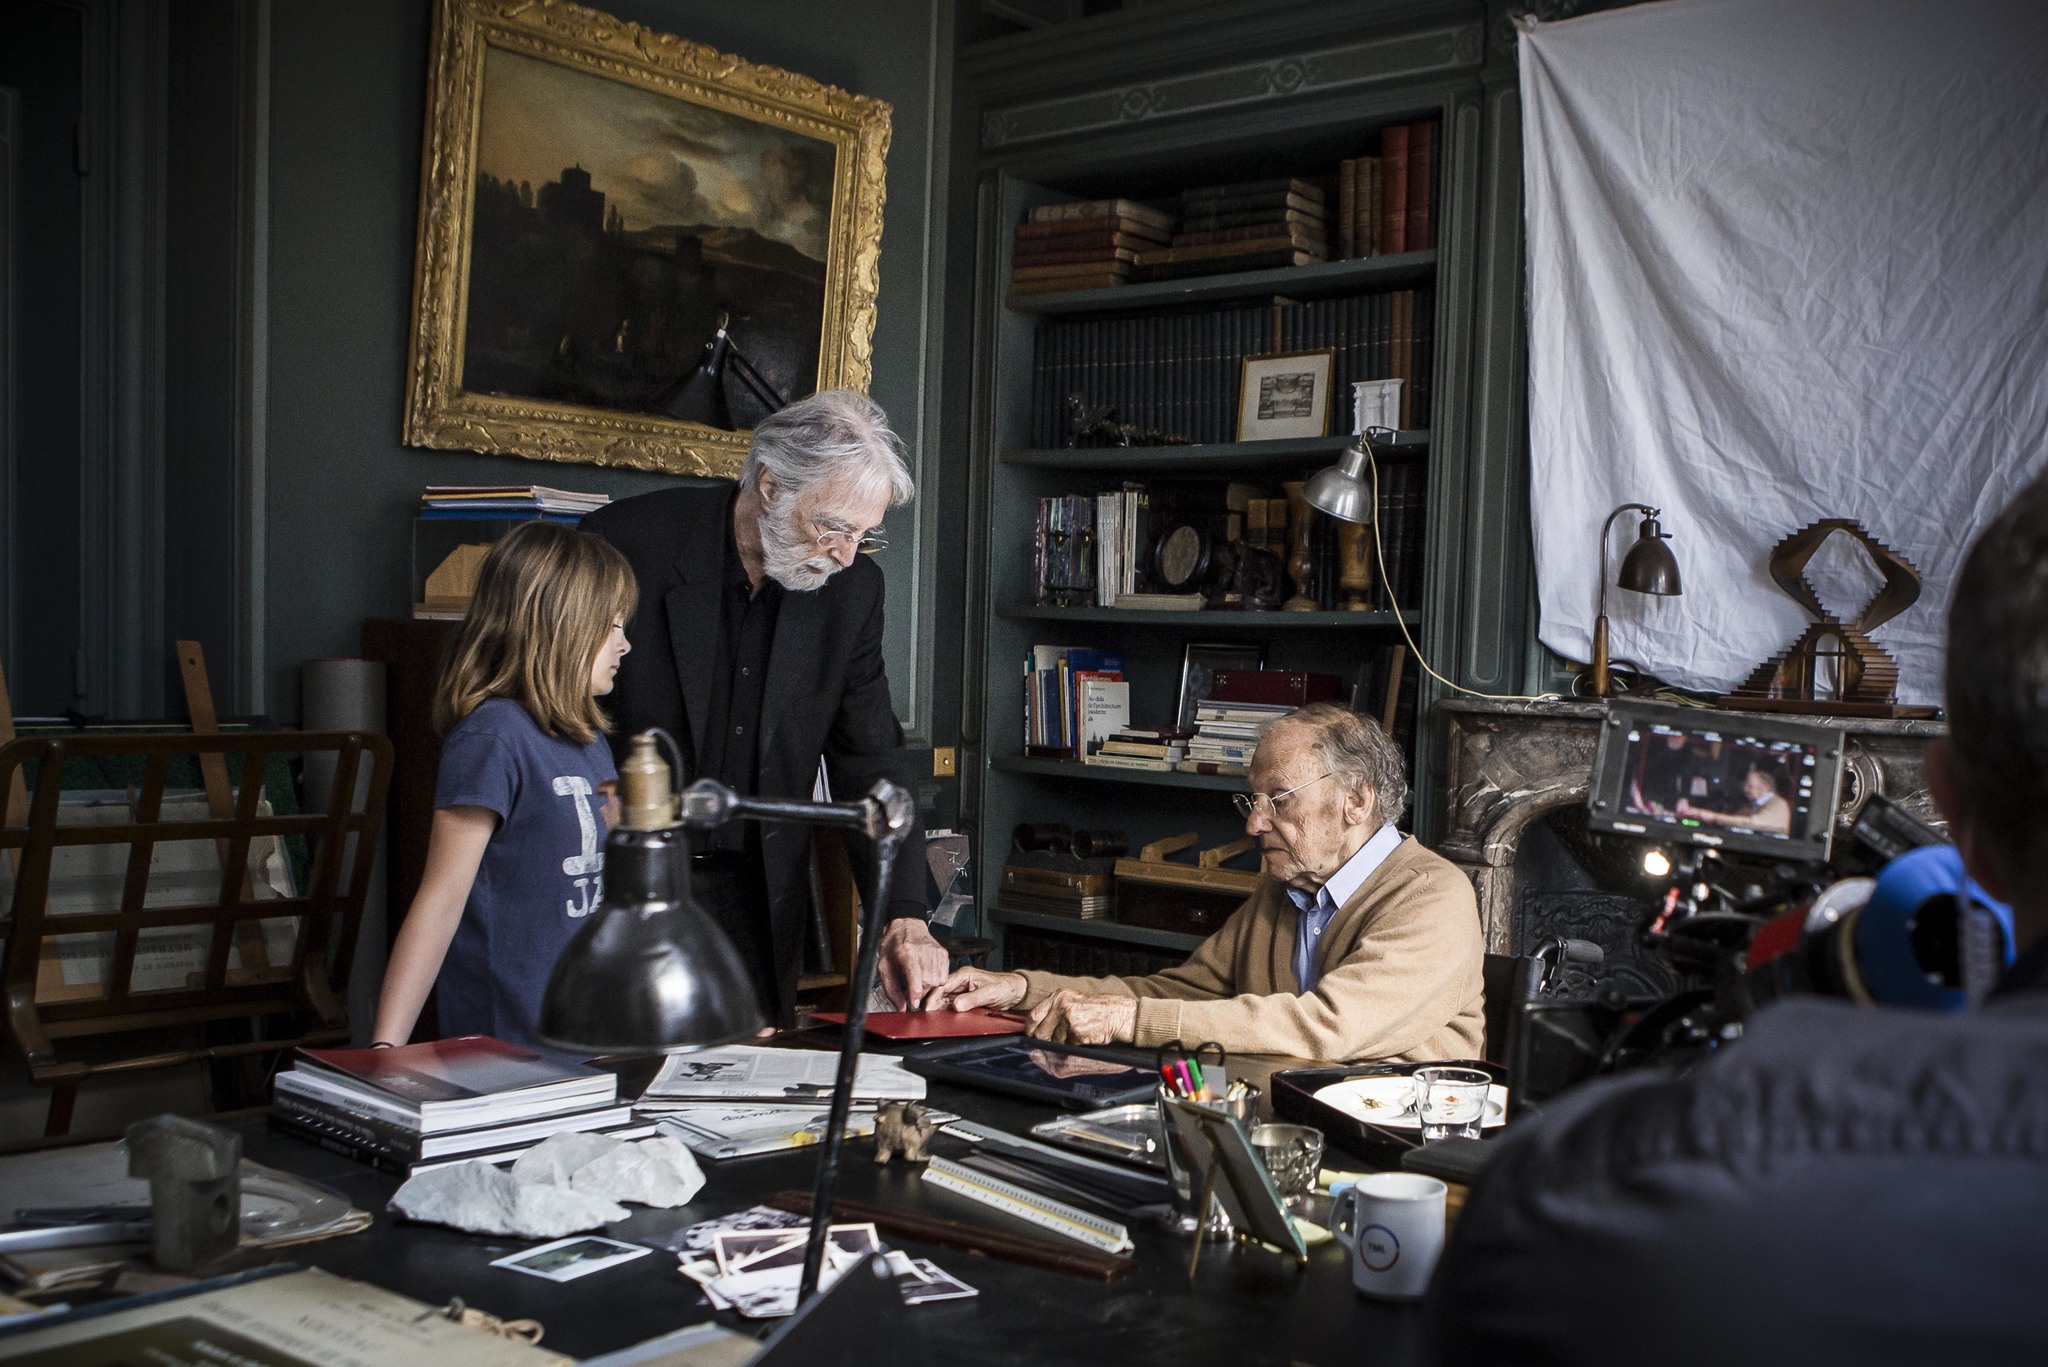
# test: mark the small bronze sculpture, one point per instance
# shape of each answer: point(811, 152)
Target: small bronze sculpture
point(904, 1129)
point(1096, 425)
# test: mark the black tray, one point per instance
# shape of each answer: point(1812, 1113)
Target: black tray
point(1378, 1146)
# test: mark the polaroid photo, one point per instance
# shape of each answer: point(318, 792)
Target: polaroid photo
point(701, 1237)
point(934, 1284)
point(759, 1295)
point(565, 1260)
point(759, 1249)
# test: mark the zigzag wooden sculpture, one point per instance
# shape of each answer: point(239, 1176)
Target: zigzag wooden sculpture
point(1866, 677)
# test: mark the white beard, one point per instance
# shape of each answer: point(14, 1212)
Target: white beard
point(790, 558)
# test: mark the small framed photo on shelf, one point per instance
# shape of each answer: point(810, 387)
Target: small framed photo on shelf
point(1286, 395)
point(1375, 403)
point(1199, 663)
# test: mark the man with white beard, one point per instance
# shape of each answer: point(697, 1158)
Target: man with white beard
point(758, 647)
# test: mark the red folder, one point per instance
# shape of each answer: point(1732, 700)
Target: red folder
point(916, 1025)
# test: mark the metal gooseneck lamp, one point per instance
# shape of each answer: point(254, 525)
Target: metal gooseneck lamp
point(650, 973)
point(1649, 567)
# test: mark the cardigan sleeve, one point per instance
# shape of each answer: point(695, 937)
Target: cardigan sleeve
point(1413, 970)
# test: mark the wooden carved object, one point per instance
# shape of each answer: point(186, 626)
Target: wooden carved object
point(1865, 676)
point(1354, 565)
point(1301, 563)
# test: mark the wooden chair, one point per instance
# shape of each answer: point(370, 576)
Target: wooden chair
point(216, 966)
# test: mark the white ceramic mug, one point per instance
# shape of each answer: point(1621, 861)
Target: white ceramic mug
point(1393, 1223)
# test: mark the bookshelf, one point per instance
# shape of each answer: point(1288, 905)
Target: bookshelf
point(1029, 83)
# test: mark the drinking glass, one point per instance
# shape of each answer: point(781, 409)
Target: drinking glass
point(1450, 1101)
point(1293, 1154)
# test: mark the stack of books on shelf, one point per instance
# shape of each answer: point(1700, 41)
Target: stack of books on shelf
point(1122, 537)
point(1073, 697)
point(422, 1106)
point(1227, 734)
point(507, 500)
point(746, 1099)
point(1385, 203)
point(1243, 226)
point(1147, 748)
point(1089, 244)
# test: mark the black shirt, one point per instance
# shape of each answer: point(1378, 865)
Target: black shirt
point(732, 730)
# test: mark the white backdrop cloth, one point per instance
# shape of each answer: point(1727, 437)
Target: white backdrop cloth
point(1788, 259)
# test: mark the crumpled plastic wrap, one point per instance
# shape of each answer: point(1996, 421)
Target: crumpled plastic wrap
point(652, 1172)
point(565, 1185)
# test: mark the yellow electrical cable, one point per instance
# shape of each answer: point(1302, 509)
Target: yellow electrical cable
point(1380, 553)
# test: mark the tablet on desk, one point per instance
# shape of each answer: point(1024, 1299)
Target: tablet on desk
point(1066, 1075)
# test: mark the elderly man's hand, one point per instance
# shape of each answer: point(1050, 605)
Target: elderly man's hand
point(912, 962)
point(972, 987)
point(1068, 1017)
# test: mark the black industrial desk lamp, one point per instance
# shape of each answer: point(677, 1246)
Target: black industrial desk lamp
point(650, 973)
point(699, 396)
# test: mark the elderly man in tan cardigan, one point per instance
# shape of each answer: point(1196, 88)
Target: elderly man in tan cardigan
point(1357, 944)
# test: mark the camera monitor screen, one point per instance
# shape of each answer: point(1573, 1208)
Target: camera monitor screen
point(1751, 784)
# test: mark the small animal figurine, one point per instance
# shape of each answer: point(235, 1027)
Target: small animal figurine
point(904, 1129)
point(1091, 425)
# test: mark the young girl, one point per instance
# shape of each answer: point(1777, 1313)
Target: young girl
point(516, 856)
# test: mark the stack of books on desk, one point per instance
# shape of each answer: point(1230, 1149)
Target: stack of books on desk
point(423, 1106)
point(1227, 734)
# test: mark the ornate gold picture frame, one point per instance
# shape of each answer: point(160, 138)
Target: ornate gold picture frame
point(593, 196)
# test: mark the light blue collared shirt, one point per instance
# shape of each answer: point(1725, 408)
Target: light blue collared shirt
point(1316, 911)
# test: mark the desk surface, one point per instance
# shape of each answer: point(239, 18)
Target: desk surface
point(1244, 1304)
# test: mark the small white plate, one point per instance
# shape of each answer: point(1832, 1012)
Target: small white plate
point(1390, 1101)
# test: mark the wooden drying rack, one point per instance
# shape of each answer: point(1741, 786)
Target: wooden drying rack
point(310, 989)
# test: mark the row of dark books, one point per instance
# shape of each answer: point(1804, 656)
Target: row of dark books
point(1180, 373)
point(423, 1106)
point(1386, 202)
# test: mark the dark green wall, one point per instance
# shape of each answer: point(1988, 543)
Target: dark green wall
point(348, 86)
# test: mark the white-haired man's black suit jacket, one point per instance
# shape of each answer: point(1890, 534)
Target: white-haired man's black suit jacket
point(826, 692)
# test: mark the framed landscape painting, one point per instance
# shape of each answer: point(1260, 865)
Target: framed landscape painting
point(594, 198)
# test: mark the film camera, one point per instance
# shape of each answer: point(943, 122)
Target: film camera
point(1763, 895)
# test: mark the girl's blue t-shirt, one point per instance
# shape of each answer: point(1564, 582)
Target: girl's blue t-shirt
point(541, 874)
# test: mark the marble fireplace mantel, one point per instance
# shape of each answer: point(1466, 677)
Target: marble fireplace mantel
point(1510, 763)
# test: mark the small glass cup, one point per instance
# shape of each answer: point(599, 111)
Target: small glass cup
point(1293, 1154)
point(1450, 1102)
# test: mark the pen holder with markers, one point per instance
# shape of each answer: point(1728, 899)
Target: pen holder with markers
point(1186, 1168)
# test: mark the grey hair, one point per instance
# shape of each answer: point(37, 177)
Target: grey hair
point(1358, 754)
point(836, 436)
